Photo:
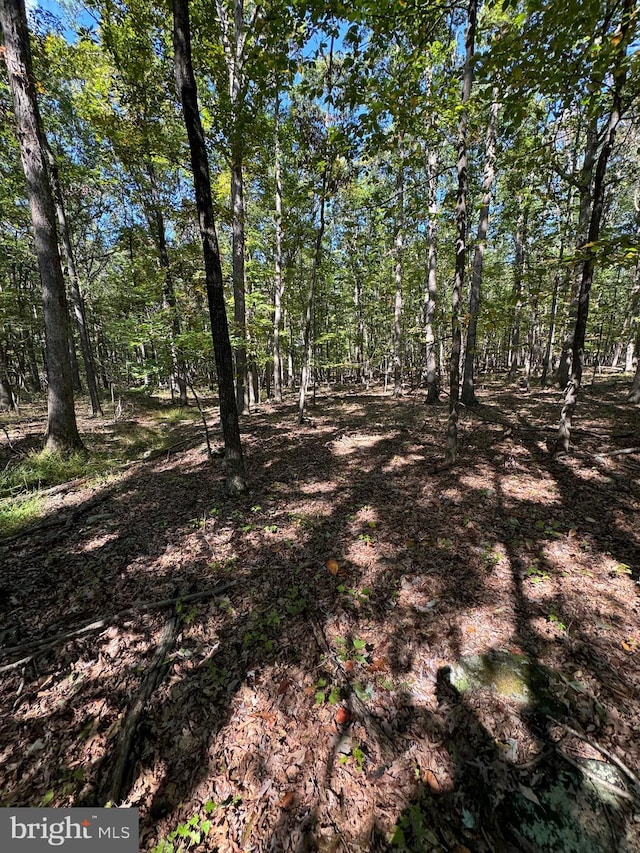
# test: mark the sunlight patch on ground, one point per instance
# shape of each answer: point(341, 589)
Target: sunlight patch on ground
point(398, 462)
point(326, 488)
point(351, 443)
point(541, 490)
point(486, 627)
point(95, 543)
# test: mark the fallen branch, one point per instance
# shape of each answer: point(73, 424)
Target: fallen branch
point(141, 607)
point(625, 452)
point(601, 749)
point(154, 675)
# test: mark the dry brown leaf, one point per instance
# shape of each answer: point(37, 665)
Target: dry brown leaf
point(342, 716)
point(333, 566)
point(287, 800)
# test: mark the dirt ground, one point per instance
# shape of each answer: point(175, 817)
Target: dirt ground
point(295, 697)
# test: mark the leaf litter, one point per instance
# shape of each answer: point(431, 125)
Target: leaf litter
point(306, 706)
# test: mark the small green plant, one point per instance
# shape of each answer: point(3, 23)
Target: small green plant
point(186, 614)
point(326, 692)
point(356, 652)
point(554, 619)
point(536, 574)
point(189, 835)
point(549, 528)
point(295, 603)
point(270, 528)
point(357, 754)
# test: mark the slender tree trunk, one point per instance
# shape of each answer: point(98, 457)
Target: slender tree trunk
point(468, 386)
point(548, 355)
point(588, 267)
point(239, 304)
point(62, 431)
point(77, 300)
point(278, 288)
point(584, 213)
point(451, 445)
point(518, 276)
point(433, 389)
point(188, 94)
point(397, 312)
point(169, 303)
point(76, 382)
point(7, 402)
point(317, 254)
point(307, 350)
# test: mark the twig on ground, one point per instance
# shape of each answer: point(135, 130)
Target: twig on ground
point(603, 751)
point(154, 675)
point(142, 607)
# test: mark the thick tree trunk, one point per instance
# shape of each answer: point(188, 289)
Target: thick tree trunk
point(451, 445)
point(433, 389)
point(468, 385)
point(62, 431)
point(77, 301)
point(278, 288)
point(188, 94)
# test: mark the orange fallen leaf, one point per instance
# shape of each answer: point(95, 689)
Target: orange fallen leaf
point(378, 665)
point(287, 800)
point(430, 779)
point(342, 716)
point(333, 566)
point(349, 665)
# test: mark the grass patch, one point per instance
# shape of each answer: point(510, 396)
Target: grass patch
point(16, 514)
point(40, 470)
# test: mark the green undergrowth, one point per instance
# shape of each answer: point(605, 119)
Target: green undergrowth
point(142, 432)
point(18, 513)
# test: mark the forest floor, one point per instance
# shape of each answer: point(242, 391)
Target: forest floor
point(298, 695)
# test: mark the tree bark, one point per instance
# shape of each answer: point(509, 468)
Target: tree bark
point(468, 385)
point(278, 289)
point(77, 301)
point(397, 311)
point(451, 444)
point(168, 291)
point(62, 431)
point(188, 93)
point(433, 390)
point(584, 212)
point(7, 402)
point(588, 266)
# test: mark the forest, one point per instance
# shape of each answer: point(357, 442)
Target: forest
point(320, 422)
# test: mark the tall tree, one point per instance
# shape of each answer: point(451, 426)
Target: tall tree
point(188, 93)
point(619, 72)
point(62, 431)
point(468, 385)
point(451, 445)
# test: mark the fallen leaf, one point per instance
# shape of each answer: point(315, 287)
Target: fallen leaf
point(528, 794)
point(429, 779)
point(333, 566)
point(342, 716)
point(349, 665)
point(287, 800)
point(378, 665)
point(283, 687)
